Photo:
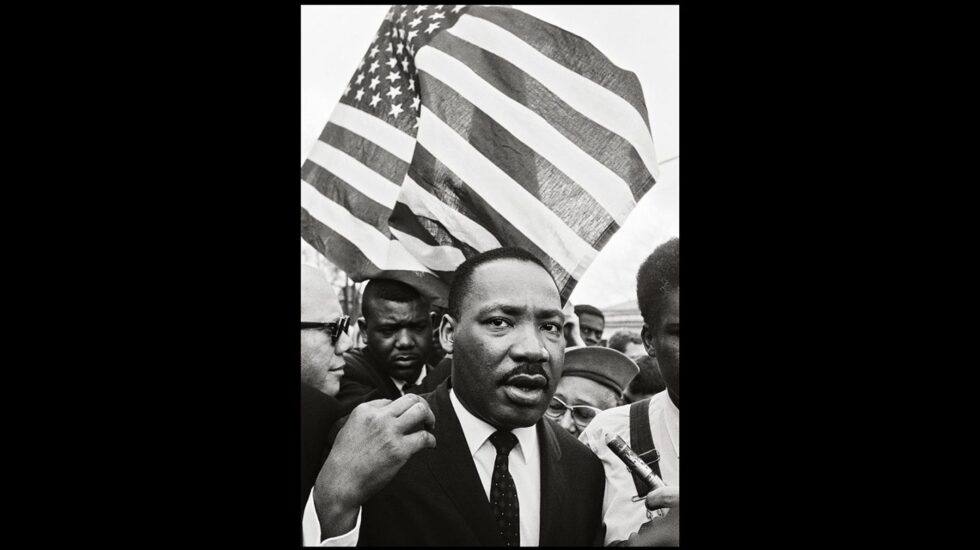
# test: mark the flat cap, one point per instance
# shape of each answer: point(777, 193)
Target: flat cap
point(603, 365)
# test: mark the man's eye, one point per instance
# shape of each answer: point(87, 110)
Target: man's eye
point(551, 327)
point(499, 323)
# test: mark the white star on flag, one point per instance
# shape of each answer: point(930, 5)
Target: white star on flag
point(396, 109)
point(398, 50)
point(374, 66)
point(374, 51)
point(411, 84)
point(414, 22)
point(360, 93)
point(405, 64)
point(393, 76)
point(458, 7)
point(391, 63)
point(346, 90)
point(393, 92)
point(360, 77)
point(412, 34)
point(388, 49)
point(415, 103)
point(431, 28)
point(375, 99)
point(420, 8)
point(374, 82)
point(437, 15)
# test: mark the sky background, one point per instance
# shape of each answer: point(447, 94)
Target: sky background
point(642, 39)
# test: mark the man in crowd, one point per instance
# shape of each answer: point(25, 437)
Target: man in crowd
point(398, 332)
point(651, 427)
point(592, 381)
point(381, 435)
point(591, 324)
point(500, 474)
point(629, 344)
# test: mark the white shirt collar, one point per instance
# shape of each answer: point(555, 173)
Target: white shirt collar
point(401, 383)
point(477, 432)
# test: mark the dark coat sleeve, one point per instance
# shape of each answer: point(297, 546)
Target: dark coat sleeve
point(318, 413)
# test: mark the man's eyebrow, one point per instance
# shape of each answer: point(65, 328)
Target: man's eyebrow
point(518, 310)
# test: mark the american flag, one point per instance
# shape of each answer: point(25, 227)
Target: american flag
point(467, 128)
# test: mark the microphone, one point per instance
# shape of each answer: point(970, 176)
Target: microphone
point(633, 462)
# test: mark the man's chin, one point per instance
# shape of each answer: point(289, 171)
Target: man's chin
point(406, 373)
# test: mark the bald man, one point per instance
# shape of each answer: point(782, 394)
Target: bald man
point(378, 437)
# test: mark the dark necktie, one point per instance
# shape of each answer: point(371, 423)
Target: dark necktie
point(503, 492)
point(409, 387)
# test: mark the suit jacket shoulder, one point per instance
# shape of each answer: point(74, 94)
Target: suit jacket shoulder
point(437, 498)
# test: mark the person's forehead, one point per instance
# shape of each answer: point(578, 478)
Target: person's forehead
point(511, 282)
point(318, 304)
point(577, 390)
point(590, 319)
point(385, 309)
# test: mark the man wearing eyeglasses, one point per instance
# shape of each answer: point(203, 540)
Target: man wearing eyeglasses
point(593, 380)
point(379, 435)
point(651, 426)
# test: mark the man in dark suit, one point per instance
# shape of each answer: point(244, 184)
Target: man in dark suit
point(398, 331)
point(387, 433)
point(500, 474)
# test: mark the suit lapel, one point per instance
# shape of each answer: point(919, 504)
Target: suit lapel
point(553, 485)
point(453, 468)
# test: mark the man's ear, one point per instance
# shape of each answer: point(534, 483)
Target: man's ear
point(446, 333)
point(362, 324)
point(647, 336)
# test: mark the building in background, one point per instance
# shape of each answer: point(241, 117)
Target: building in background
point(622, 316)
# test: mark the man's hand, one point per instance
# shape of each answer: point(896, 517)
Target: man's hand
point(571, 326)
point(664, 497)
point(377, 440)
point(659, 531)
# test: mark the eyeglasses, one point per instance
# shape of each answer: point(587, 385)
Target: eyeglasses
point(333, 329)
point(581, 414)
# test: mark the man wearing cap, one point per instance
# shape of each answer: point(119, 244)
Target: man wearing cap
point(594, 380)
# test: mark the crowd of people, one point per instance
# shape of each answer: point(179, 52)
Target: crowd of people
point(486, 423)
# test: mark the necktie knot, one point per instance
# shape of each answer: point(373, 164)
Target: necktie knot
point(503, 441)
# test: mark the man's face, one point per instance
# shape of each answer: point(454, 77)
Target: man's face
point(507, 345)
point(399, 337)
point(664, 342)
point(575, 390)
point(591, 327)
point(321, 362)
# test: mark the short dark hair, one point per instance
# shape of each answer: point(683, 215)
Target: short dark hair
point(648, 380)
point(390, 290)
point(463, 277)
point(658, 276)
point(623, 338)
point(585, 308)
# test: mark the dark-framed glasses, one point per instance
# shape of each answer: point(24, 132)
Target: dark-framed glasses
point(333, 329)
point(581, 414)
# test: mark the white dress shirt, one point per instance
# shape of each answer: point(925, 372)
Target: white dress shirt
point(523, 463)
point(620, 514)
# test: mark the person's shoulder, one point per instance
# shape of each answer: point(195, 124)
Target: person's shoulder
point(610, 420)
point(659, 401)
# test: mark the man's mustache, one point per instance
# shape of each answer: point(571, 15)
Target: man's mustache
point(529, 369)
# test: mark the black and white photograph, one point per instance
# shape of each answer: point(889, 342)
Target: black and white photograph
point(489, 269)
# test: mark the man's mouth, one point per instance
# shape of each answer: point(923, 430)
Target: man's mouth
point(406, 358)
point(526, 389)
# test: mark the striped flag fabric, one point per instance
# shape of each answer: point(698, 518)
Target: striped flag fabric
point(467, 128)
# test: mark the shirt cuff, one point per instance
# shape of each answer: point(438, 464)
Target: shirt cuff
point(347, 539)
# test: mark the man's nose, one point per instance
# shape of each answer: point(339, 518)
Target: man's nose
point(403, 340)
point(344, 343)
point(529, 347)
point(567, 423)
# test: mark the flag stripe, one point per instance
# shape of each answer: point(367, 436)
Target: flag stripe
point(555, 189)
point(371, 155)
point(426, 168)
point(609, 190)
point(507, 197)
point(340, 192)
point(372, 128)
point(379, 249)
point(597, 120)
point(568, 50)
point(356, 174)
point(333, 244)
point(438, 258)
point(463, 228)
